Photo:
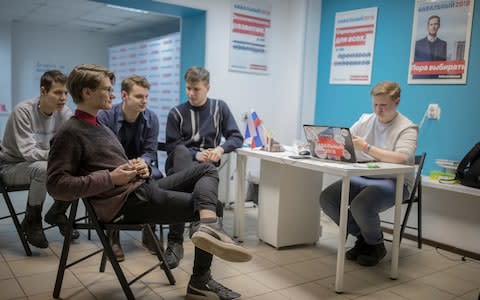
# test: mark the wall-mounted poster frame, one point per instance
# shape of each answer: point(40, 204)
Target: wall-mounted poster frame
point(352, 47)
point(250, 36)
point(440, 42)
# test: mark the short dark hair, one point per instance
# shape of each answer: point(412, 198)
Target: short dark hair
point(129, 82)
point(86, 76)
point(196, 74)
point(51, 76)
point(433, 17)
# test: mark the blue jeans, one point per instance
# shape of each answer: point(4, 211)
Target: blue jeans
point(368, 197)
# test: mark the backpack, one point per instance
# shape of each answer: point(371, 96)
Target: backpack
point(468, 171)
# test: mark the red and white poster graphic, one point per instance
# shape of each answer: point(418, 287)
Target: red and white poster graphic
point(353, 43)
point(440, 42)
point(249, 36)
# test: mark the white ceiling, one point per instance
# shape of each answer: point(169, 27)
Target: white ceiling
point(82, 15)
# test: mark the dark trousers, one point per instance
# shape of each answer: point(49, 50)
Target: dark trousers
point(176, 198)
point(178, 160)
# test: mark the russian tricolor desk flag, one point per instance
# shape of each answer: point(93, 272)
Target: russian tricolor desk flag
point(254, 131)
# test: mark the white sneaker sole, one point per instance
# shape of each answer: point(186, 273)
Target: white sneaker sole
point(225, 251)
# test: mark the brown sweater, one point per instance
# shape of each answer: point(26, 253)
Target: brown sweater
point(80, 159)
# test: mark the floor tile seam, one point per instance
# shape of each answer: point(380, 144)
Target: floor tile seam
point(259, 282)
point(249, 272)
point(432, 286)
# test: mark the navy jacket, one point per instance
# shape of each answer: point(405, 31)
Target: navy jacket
point(430, 51)
point(147, 142)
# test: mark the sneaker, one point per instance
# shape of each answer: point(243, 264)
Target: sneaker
point(173, 254)
point(205, 288)
point(212, 238)
point(372, 255)
point(358, 249)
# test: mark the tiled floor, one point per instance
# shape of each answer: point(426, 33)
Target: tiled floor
point(303, 272)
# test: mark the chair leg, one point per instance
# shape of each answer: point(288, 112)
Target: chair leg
point(107, 249)
point(65, 250)
point(20, 232)
point(405, 220)
point(419, 219)
point(103, 262)
point(160, 254)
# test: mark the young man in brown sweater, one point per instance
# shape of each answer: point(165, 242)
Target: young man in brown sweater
point(86, 160)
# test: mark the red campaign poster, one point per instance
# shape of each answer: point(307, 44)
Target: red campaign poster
point(440, 42)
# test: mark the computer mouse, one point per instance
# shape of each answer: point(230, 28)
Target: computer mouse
point(304, 152)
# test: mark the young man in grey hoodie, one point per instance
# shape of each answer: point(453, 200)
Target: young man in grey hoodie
point(24, 152)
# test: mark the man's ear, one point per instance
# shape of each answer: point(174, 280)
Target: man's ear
point(124, 95)
point(43, 91)
point(397, 101)
point(86, 92)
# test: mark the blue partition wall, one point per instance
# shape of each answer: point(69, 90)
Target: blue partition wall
point(448, 138)
point(193, 31)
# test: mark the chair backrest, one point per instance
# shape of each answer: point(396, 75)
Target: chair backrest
point(419, 162)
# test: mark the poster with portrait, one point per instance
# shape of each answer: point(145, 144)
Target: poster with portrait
point(440, 42)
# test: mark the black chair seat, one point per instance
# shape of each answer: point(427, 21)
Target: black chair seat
point(5, 190)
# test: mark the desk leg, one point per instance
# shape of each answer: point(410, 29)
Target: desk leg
point(396, 226)
point(239, 216)
point(342, 234)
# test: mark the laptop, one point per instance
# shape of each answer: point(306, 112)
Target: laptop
point(331, 143)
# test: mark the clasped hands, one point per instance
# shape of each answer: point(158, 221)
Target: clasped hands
point(125, 173)
point(210, 155)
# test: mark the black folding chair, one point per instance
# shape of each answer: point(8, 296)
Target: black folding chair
point(415, 197)
point(91, 222)
point(5, 189)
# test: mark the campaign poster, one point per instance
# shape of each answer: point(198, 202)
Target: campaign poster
point(353, 44)
point(440, 42)
point(249, 36)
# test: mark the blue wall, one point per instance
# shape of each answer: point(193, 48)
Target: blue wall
point(193, 46)
point(458, 128)
point(193, 31)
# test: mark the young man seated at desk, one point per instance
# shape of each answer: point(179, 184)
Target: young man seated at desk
point(386, 136)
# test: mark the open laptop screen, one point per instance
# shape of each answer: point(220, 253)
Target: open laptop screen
point(330, 142)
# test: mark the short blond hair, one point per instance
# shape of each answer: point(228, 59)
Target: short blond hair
point(389, 88)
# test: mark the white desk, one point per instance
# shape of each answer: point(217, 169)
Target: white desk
point(343, 170)
point(451, 187)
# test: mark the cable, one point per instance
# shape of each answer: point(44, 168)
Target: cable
point(463, 258)
point(423, 119)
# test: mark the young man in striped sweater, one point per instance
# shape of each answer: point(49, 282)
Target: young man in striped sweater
point(198, 131)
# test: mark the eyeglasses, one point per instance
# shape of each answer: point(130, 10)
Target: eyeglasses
point(107, 89)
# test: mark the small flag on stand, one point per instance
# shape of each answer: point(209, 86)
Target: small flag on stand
point(254, 131)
